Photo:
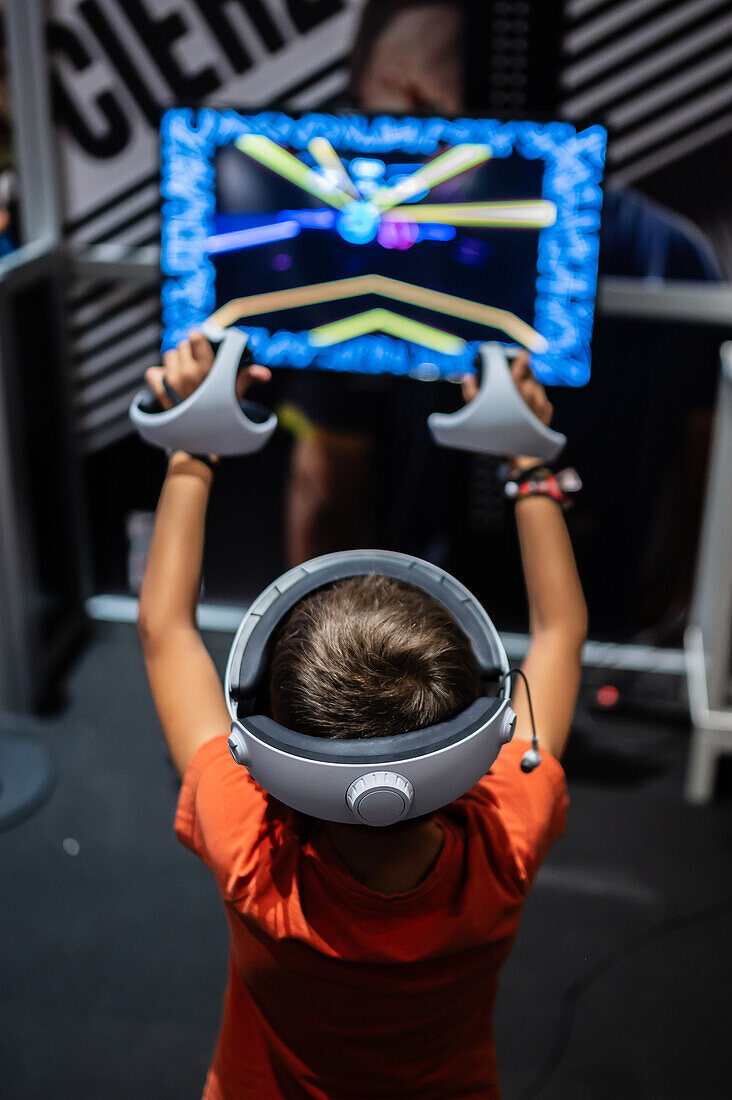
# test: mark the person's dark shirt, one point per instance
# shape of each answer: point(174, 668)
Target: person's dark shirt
point(640, 239)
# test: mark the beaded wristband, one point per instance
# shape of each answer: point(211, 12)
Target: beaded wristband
point(540, 481)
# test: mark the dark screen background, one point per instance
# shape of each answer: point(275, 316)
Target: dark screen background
point(493, 266)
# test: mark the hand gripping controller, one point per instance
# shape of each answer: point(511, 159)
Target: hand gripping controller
point(211, 420)
point(498, 421)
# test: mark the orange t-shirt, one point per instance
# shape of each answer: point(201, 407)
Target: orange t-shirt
point(337, 992)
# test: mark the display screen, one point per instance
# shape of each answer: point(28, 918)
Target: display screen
point(380, 244)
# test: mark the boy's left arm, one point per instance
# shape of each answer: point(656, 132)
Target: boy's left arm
point(188, 695)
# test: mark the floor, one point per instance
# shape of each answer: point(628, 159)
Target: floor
point(113, 944)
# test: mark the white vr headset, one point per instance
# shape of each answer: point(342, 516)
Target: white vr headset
point(380, 780)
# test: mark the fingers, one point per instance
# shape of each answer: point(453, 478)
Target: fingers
point(532, 391)
point(154, 378)
point(535, 397)
point(170, 360)
point(201, 348)
point(520, 368)
point(249, 375)
point(188, 374)
point(187, 365)
point(176, 364)
point(544, 408)
point(470, 387)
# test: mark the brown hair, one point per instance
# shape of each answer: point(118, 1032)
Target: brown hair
point(370, 656)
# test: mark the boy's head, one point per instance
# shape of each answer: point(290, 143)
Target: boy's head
point(370, 656)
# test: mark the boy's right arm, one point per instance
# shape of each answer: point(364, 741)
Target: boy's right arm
point(558, 623)
point(557, 610)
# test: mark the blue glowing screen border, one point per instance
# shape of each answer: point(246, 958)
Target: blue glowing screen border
point(567, 250)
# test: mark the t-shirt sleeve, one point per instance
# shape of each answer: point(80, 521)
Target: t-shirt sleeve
point(220, 816)
point(532, 805)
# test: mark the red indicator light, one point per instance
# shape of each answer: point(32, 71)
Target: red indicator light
point(607, 696)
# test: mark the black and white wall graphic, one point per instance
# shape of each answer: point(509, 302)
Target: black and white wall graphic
point(658, 74)
point(115, 64)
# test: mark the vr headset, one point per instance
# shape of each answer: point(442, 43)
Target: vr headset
point(375, 781)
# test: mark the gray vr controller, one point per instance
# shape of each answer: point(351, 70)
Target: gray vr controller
point(498, 421)
point(213, 421)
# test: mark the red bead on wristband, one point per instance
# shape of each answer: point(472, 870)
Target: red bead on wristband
point(549, 485)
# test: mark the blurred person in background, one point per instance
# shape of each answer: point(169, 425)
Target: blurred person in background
point(412, 56)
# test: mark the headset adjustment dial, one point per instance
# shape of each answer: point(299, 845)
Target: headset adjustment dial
point(508, 725)
point(238, 746)
point(380, 798)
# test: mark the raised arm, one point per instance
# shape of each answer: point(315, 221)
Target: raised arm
point(558, 623)
point(557, 610)
point(185, 685)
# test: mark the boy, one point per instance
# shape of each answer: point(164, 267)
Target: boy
point(364, 962)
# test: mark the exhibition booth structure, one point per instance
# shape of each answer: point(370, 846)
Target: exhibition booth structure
point(331, 238)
